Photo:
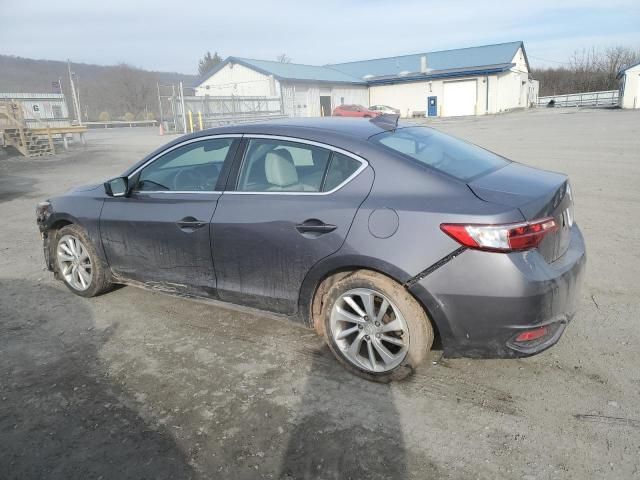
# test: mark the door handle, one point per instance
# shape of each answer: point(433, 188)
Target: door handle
point(315, 226)
point(190, 222)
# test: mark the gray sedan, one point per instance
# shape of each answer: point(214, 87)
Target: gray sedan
point(382, 237)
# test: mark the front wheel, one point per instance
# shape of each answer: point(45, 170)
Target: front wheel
point(375, 328)
point(78, 264)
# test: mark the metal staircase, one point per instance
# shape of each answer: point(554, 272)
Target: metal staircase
point(16, 133)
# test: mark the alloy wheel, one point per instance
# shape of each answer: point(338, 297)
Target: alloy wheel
point(74, 262)
point(369, 330)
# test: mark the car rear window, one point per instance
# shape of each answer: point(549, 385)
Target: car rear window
point(341, 168)
point(454, 157)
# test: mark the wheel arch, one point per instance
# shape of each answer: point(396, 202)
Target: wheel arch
point(54, 223)
point(324, 274)
point(59, 220)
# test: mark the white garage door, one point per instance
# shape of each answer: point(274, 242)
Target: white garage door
point(459, 98)
point(301, 103)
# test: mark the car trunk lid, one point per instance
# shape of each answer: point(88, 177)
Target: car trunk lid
point(537, 194)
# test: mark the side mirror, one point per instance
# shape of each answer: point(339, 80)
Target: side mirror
point(117, 187)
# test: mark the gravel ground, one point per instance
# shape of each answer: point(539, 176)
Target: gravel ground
point(135, 384)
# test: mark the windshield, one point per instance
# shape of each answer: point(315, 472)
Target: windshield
point(454, 157)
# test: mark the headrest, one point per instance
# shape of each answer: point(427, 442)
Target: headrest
point(279, 169)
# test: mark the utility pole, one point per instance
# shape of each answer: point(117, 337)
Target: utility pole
point(76, 102)
point(160, 105)
point(184, 112)
point(63, 96)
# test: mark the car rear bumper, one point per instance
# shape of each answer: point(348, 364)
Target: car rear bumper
point(481, 301)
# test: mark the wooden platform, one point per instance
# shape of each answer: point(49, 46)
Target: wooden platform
point(31, 142)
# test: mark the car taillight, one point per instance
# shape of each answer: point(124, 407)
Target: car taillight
point(531, 335)
point(501, 238)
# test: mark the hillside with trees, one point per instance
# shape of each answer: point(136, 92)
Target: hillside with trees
point(106, 92)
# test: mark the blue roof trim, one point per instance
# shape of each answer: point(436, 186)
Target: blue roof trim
point(480, 56)
point(287, 72)
point(448, 63)
point(435, 76)
point(624, 70)
point(211, 72)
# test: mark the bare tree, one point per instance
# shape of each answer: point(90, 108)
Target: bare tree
point(134, 88)
point(615, 59)
point(282, 58)
point(590, 69)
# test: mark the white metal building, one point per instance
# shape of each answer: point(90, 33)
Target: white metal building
point(304, 90)
point(49, 109)
point(630, 87)
point(467, 81)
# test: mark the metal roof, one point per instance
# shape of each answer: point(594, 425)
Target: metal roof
point(438, 74)
point(298, 71)
point(448, 63)
point(444, 60)
point(288, 71)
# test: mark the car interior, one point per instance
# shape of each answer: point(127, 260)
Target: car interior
point(282, 166)
point(268, 166)
point(193, 167)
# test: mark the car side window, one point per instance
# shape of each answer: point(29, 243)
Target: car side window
point(282, 166)
point(193, 167)
point(340, 169)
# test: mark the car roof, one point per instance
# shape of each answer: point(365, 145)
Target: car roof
point(351, 134)
point(356, 128)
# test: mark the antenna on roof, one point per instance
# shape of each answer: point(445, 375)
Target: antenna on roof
point(388, 121)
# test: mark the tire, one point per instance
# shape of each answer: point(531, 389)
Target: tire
point(74, 253)
point(404, 351)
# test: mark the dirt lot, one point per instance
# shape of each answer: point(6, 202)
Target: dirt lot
point(135, 384)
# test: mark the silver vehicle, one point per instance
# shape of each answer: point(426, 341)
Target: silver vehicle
point(385, 109)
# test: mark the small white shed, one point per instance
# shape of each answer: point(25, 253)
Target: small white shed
point(630, 87)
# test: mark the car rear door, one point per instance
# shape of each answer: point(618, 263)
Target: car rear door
point(160, 234)
point(289, 203)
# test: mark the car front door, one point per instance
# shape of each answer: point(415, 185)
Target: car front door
point(288, 204)
point(159, 234)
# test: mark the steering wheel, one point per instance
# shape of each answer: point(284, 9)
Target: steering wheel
point(187, 179)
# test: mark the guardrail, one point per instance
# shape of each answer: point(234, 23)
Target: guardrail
point(608, 98)
point(121, 123)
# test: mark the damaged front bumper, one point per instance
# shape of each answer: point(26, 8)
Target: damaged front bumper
point(43, 213)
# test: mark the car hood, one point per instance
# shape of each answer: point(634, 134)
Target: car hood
point(85, 188)
point(534, 192)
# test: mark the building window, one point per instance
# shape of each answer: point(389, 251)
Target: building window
point(57, 111)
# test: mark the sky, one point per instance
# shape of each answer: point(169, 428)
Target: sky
point(172, 36)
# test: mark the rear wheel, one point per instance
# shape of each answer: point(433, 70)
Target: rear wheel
point(78, 264)
point(375, 328)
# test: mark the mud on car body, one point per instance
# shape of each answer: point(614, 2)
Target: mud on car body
point(381, 237)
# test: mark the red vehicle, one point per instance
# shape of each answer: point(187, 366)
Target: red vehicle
point(354, 111)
